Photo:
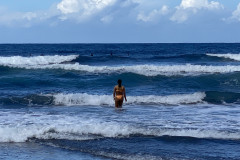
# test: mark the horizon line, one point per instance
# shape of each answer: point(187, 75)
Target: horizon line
point(123, 43)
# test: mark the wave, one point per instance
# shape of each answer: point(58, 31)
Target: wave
point(229, 56)
point(57, 62)
point(215, 97)
point(79, 129)
point(126, 156)
point(28, 100)
point(86, 99)
point(146, 70)
point(19, 61)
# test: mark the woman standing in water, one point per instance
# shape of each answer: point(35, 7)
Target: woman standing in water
point(118, 94)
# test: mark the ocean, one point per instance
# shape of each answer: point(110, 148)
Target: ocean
point(183, 101)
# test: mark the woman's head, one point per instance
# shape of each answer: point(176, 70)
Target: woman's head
point(119, 83)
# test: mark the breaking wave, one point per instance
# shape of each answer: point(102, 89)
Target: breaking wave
point(57, 62)
point(79, 129)
point(19, 61)
point(146, 70)
point(86, 99)
point(229, 56)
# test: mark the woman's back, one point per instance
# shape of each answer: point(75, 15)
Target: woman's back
point(119, 90)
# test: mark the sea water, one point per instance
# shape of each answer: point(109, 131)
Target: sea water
point(183, 103)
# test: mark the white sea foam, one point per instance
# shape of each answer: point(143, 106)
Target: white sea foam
point(19, 61)
point(55, 62)
point(21, 126)
point(79, 129)
point(96, 100)
point(147, 70)
point(229, 55)
point(127, 156)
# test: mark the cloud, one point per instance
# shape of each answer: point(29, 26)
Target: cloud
point(153, 14)
point(82, 9)
point(107, 19)
point(128, 3)
point(189, 7)
point(76, 10)
point(25, 19)
point(146, 10)
point(236, 13)
point(68, 6)
point(199, 4)
point(107, 11)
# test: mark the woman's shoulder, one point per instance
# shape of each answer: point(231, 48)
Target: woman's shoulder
point(122, 87)
point(118, 86)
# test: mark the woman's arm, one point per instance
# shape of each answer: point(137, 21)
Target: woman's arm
point(124, 94)
point(114, 93)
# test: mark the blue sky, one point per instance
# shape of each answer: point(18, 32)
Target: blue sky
point(119, 21)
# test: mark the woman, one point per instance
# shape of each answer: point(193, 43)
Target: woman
point(118, 94)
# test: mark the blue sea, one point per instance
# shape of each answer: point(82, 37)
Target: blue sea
point(183, 101)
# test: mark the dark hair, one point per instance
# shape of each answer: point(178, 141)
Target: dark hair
point(119, 83)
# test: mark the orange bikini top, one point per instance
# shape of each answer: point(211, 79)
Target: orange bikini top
point(119, 90)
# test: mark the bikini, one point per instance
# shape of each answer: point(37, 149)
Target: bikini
point(119, 93)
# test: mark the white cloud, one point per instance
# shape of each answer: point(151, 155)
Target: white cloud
point(179, 16)
point(188, 7)
point(146, 10)
point(199, 4)
point(236, 13)
point(9, 19)
point(127, 3)
point(25, 19)
point(68, 6)
point(153, 14)
point(81, 9)
point(107, 10)
point(107, 19)
point(165, 9)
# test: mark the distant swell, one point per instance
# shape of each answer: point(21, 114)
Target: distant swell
point(229, 56)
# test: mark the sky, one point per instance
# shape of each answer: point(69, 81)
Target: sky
point(119, 21)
